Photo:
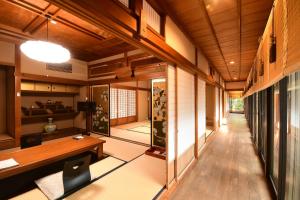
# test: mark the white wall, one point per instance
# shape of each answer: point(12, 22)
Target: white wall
point(178, 41)
point(34, 67)
point(217, 107)
point(202, 62)
point(171, 122)
point(201, 112)
point(186, 119)
point(7, 53)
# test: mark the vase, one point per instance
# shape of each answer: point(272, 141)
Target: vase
point(50, 127)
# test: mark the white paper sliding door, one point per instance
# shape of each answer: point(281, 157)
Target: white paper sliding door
point(201, 112)
point(217, 107)
point(186, 119)
point(171, 122)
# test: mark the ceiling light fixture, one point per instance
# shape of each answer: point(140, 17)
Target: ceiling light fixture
point(231, 62)
point(234, 78)
point(45, 51)
point(53, 21)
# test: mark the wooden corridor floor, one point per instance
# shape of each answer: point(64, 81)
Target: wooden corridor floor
point(228, 168)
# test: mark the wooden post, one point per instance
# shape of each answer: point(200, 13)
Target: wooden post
point(17, 95)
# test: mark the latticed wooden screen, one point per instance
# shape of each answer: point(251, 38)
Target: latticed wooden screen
point(122, 103)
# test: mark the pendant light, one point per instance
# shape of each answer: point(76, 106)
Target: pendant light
point(45, 51)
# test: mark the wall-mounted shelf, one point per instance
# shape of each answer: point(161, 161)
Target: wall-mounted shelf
point(44, 118)
point(65, 132)
point(43, 93)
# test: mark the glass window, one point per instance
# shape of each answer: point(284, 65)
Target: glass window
point(276, 128)
point(236, 105)
point(293, 138)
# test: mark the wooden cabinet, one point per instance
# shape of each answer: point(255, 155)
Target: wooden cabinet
point(28, 86)
point(36, 87)
point(72, 89)
point(43, 87)
point(58, 88)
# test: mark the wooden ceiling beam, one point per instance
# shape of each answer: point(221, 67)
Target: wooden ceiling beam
point(43, 13)
point(13, 34)
point(145, 62)
point(120, 60)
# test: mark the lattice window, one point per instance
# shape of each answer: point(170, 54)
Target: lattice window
point(113, 103)
point(153, 17)
point(122, 103)
point(131, 102)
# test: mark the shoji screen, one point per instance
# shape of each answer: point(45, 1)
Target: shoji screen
point(113, 103)
point(217, 107)
point(122, 103)
point(131, 103)
point(153, 18)
point(171, 122)
point(201, 113)
point(186, 119)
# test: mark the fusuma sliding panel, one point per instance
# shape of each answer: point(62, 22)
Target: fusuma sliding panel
point(186, 119)
point(100, 121)
point(201, 113)
point(171, 122)
point(159, 113)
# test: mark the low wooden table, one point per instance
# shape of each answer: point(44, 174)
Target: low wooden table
point(50, 152)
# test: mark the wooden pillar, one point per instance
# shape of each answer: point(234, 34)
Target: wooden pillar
point(17, 111)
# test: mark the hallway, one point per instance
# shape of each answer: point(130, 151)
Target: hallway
point(228, 167)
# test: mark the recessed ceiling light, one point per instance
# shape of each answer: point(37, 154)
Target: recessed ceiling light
point(53, 21)
point(234, 78)
point(231, 62)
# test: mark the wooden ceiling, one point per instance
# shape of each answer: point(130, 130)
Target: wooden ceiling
point(24, 19)
point(225, 30)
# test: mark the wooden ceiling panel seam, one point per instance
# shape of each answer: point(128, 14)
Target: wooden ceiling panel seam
point(203, 8)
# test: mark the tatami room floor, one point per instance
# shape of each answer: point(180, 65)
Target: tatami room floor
point(136, 131)
point(140, 177)
point(228, 167)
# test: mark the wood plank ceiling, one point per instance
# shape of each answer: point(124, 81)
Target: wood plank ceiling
point(227, 31)
point(25, 19)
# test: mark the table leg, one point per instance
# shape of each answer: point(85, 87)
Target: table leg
point(100, 151)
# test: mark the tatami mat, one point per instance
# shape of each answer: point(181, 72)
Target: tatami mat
point(131, 135)
point(125, 131)
point(120, 149)
point(141, 179)
point(99, 169)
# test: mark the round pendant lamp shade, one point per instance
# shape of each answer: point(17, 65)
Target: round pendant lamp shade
point(47, 52)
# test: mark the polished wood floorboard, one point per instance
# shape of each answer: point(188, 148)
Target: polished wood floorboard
point(228, 168)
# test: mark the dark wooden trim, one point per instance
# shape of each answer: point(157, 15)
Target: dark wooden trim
point(115, 85)
point(17, 95)
point(44, 118)
point(238, 89)
point(128, 79)
point(51, 79)
point(283, 138)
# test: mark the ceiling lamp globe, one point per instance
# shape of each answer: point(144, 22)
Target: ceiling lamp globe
point(47, 52)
